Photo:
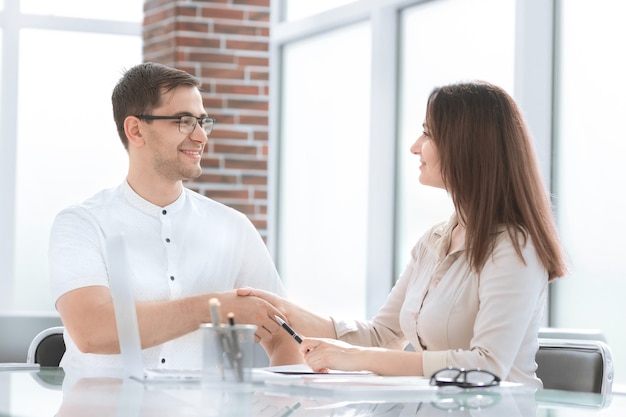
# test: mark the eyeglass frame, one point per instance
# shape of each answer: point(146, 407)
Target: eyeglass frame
point(199, 120)
point(462, 372)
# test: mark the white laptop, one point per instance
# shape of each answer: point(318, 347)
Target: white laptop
point(126, 317)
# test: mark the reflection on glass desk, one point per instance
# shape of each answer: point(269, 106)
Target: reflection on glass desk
point(53, 392)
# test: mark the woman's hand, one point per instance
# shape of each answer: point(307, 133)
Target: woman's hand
point(324, 354)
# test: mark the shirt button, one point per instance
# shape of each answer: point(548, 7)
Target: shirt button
point(171, 278)
point(163, 360)
point(167, 239)
point(164, 212)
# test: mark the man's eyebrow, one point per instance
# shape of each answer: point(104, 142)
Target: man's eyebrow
point(186, 113)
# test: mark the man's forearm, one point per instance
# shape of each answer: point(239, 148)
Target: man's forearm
point(88, 315)
point(162, 321)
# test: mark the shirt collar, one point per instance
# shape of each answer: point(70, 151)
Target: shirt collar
point(149, 208)
point(444, 232)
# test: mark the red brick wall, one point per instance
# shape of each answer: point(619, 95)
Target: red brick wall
point(224, 44)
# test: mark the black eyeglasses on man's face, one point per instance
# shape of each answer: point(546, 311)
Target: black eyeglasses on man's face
point(464, 378)
point(186, 124)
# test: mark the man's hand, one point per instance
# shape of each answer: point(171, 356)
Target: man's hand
point(275, 300)
point(250, 310)
point(279, 345)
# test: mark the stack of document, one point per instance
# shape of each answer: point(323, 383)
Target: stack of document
point(352, 384)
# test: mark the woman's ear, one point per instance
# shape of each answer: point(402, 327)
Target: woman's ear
point(134, 131)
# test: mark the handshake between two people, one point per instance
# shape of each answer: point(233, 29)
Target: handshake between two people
point(316, 345)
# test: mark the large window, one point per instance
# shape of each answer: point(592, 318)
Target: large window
point(67, 144)
point(323, 199)
point(59, 143)
point(590, 170)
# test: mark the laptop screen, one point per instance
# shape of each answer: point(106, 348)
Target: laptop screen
point(124, 304)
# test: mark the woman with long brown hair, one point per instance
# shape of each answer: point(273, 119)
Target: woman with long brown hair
point(474, 291)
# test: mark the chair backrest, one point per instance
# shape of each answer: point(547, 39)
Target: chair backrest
point(571, 333)
point(17, 330)
point(47, 348)
point(575, 365)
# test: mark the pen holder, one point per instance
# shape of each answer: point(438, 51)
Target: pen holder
point(228, 353)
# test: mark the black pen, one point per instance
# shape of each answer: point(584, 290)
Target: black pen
point(289, 329)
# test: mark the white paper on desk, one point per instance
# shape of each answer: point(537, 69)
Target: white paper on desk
point(302, 369)
point(360, 383)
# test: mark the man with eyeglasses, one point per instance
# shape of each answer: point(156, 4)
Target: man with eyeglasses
point(184, 248)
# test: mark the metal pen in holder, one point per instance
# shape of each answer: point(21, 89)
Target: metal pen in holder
point(228, 352)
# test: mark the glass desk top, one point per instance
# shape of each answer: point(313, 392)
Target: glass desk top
point(53, 392)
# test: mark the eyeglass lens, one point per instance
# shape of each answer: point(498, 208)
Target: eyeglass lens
point(479, 378)
point(188, 123)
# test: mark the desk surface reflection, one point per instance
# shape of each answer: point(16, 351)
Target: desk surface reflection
point(51, 391)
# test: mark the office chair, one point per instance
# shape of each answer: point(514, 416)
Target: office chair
point(571, 333)
point(575, 365)
point(47, 348)
point(17, 330)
